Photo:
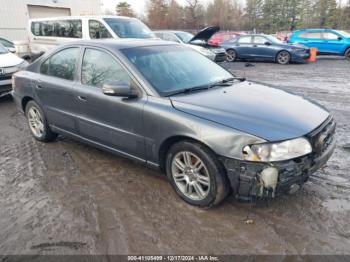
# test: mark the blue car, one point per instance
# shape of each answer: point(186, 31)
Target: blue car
point(327, 41)
point(264, 48)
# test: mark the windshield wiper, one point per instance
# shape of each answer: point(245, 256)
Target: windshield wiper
point(188, 90)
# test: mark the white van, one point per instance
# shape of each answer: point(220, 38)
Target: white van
point(46, 33)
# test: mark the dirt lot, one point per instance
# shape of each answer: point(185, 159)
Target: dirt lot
point(69, 198)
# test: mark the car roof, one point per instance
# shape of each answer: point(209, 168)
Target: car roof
point(314, 30)
point(119, 44)
point(81, 17)
point(169, 31)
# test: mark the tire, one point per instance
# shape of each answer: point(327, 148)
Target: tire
point(37, 123)
point(347, 54)
point(209, 175)
point(283, 58)
point(231, 55)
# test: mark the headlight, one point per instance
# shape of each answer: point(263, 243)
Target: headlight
point(219, 50)
point(205, 51)
point(270, 152)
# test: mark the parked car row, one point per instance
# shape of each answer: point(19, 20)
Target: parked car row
point(198, 42)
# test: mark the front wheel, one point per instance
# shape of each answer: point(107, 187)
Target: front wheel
point(231, 55)
point(283, 58)
point(196, 175)
point(347, 54)
point(37, 123)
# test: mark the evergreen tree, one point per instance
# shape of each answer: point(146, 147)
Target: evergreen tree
point(124, 9)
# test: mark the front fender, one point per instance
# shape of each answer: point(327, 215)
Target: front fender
point(162, 121)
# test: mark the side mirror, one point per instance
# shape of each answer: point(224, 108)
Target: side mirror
point(198, 42)
point(120, 89)
point(268, 43)
point(340, 38)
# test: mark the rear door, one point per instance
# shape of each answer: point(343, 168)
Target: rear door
point(111, 121)
point(244, 47)
point(54, 88)
point(312, 40)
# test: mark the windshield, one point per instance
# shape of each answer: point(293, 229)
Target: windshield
point(274, 39)
point(184, 36)
point(344, 33)
point(171, 68)
point(129, 28)
point(3, 50)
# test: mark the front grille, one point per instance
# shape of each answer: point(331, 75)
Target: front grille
point(5, 77)
point(220, 57)
point(322, 137)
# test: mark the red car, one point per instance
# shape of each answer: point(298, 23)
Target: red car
point(220, 37)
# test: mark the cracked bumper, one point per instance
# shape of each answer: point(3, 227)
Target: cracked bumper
point(244, 175)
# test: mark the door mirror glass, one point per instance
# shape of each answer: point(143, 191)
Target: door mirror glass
point(121, 89)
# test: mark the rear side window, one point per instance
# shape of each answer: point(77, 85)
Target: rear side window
point(330, 36)
point(101, 68)
point(97, 30)
point(61, 28)
point(245, 40)
point(313, 35)
point(62, 64)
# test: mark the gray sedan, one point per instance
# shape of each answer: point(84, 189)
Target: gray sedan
point(171, 108)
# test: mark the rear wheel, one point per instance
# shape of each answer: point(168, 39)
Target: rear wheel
point(231, 55)
point(196, 175)
point(283, 58)
point(37, 123)
point(347, 54)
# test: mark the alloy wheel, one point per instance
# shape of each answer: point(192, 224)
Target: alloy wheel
point(283, 58)
point(36, 123)
point(191, 176)
point(231, 55)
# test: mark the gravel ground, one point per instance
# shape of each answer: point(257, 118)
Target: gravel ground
point(69, 198)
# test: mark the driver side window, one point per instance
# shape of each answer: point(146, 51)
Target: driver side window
point(101, 68)
point(260, 40)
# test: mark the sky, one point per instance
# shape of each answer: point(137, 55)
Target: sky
point(138, 5)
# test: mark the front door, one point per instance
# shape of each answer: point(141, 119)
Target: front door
point(114, 122)
point(54, 88)
point(262, 51)
point(333, 43)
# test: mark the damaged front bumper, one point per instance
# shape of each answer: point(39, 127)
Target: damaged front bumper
point(246, 177)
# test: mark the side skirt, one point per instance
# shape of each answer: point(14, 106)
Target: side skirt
point(103, 147)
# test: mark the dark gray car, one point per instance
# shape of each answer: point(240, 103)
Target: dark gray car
point(171, 108)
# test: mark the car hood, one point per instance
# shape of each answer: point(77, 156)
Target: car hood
point(9, 59)
point(206, 33)
point(266, 112)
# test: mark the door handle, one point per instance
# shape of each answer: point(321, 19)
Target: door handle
point(82, 98)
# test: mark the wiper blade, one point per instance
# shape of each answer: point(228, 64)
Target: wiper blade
point(188, 90)
point(226, 82)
